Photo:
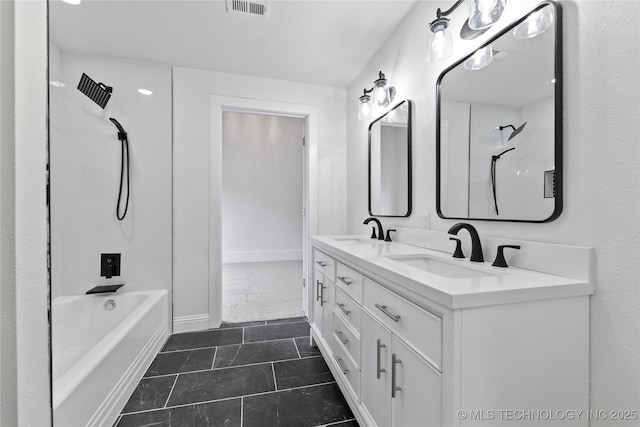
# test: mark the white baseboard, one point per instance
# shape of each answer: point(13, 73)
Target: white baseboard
point(261, 256)
point(193, 323)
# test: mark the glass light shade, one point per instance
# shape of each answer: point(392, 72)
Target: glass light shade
point(536, 24)
point(480, 59)
point(364, 108)
point(380, 94)
point(440, 45)
point(484, 13)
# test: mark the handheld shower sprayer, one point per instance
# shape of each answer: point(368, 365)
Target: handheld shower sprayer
point(122, 137)
point(494, 160)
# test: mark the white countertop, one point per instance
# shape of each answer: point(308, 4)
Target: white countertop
point(501, 286)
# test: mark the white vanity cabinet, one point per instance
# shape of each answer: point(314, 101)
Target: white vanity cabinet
point(323, 293)
point(411, 350)
point(399, 386)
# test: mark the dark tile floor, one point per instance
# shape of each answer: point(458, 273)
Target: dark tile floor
point(245, 374)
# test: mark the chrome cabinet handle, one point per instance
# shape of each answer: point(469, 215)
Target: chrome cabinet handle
point(341, 337)
point(379, 370)
point(322, 301)
point(344, 310)
point(344, 280)
point(394, 388)
point(321, 264)
point(318, 285)
point(383, 308)
point(339, 361)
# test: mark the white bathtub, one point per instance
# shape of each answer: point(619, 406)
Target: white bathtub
point(99, 355)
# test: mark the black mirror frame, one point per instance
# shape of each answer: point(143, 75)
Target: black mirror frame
point(558, 160)
point(409, 158)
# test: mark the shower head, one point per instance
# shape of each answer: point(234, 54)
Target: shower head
point(122, 134)
point(97, 92)
point(515, 131)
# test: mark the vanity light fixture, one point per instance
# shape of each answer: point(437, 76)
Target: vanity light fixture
point(364, 108)
point(536, 24)
point(480, 59)
point(484, 13)
point(380, 95)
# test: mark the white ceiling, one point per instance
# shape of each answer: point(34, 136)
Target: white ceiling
point(324, 42)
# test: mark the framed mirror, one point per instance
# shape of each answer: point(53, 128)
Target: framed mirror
point(499, 125)
point(390, 162)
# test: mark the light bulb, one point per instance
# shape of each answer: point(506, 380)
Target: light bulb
point(486, 5)
point(536, 24)
point(381, 96)
point(484, 13)
point(480, 59)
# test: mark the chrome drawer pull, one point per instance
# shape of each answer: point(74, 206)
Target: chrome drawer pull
point(379, 370)
point(341, 337)
point(383, 308)
point(321, 264)
point(344, 310)
point(339, 361)
point(318, 285)
point(344, 280)
point(394, 362)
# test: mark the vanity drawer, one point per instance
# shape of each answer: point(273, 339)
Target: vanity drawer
point(347, 369)
point(325, 264)
point(349, 281)
point(348, 309)
point(418, 327)
point(342, 334)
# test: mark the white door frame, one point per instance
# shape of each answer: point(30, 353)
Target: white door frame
point(219, 104)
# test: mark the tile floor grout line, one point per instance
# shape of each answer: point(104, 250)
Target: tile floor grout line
point(273, 371)
point(296, 344)
point(228, 345)
point(335, 423)
point(169, 395)
point(237, 366)
point(213, 362)
point(241, 410)
point(182, 405)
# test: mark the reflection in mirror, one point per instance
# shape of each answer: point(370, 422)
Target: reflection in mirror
point(390, 162)
point(499, 135)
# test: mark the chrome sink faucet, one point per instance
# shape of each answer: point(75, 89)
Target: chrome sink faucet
point(476, 246)
point(380, 235)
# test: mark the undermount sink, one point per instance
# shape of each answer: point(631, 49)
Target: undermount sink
point(354, 240)
point(440, 268)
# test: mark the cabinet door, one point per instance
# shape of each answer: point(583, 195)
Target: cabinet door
point(418, 389)
point(375, 356)
point(318, 282)
point(328, 300)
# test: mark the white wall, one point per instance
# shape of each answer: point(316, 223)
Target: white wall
point(24, 349)
point(85, 176)
point(601, 163)
point(261, 187)
point(191, 118)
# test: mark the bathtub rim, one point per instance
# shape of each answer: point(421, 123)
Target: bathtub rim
point(68, 381)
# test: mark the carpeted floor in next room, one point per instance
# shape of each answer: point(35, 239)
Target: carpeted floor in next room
point(261, 290)
point(260, 374)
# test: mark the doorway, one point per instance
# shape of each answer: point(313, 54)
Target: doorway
point(262, 216)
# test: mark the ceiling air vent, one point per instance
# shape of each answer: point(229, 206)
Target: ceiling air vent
point(249, 7)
